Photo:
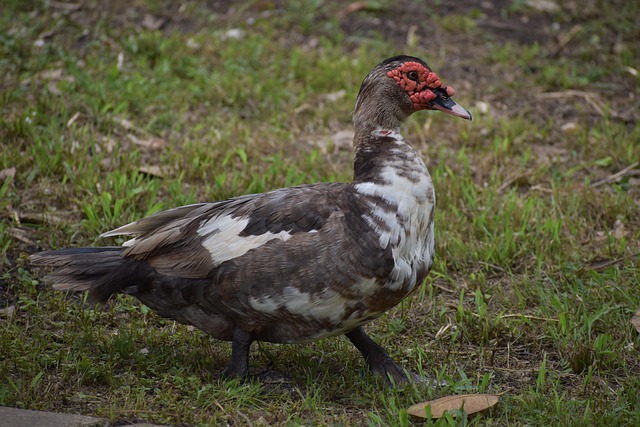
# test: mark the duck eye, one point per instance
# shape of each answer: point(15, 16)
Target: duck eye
point(413, 75)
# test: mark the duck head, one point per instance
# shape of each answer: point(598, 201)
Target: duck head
point(397, 88)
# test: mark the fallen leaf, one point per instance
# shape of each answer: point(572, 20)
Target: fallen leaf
point(342, 139)
point(151, 142)
point(482, 107)
point(53, 88)
point(471, 403)
point(193, 44)
point(233, 34)
point(619, 230)
point(65, 6)
point(55, 74)
point(570, 127)
point(635, 320)
point(21, 236)
point(333, 96)
point(52, 74)
point(153, 170)
point(412, 36)
point(152, 23)
point(543, 5)
point(8, 311)
point(73, 119)
point(7, 173)
point(356, 6)
point(123, 122)
point(45, 217)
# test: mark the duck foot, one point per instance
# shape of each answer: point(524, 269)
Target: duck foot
point(238, 366)
point(379, 361)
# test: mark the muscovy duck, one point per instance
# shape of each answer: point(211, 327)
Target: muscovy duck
point(294, 264)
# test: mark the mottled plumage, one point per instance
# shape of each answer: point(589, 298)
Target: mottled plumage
point(295, 264)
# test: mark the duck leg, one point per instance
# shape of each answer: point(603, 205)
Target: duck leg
point(379, 362)
point(239, 364)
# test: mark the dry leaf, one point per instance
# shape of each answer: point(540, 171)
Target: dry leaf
point(482, 107)
point(342, 139)
point(21, 236)
point(51, 74)
point(152, 23)
point(543, 5)
point(635, 320)
point(233, 34)
point(8, 311)
point(154, 170)
point(356, 6)
point(7, 173)
point(412, 36)
point(53, 88)
point(65, 6)
point(152, 142)
point(471, 403)
point(73, 119)
point(124, 123)
point(333, 96)
point(570, 127)
point(619, 230)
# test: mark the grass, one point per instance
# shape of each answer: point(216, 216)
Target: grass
point(108, 114)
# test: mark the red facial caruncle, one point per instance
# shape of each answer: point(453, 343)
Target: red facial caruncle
point(419, 82)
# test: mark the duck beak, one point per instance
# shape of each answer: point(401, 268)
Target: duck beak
point(444, 103)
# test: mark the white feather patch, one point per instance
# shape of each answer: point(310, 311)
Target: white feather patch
point(129, 243)
point(411, 201)
point(223, 241)
point(329, 306)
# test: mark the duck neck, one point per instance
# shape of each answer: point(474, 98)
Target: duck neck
point(382, 153)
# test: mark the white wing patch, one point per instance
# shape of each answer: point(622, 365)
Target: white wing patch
point(129, 243)
point(221, 237)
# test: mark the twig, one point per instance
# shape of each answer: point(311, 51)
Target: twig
point(545, 319)
point(587, 96)
point(73, 119)
point(597, 266)
point(498, 368)
point(565, 38)
point(442, 288)
point(495, 267)
point(219, 406)
point(628, 171)
point(513, 179)
point(246, 418)
point(541, 188)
